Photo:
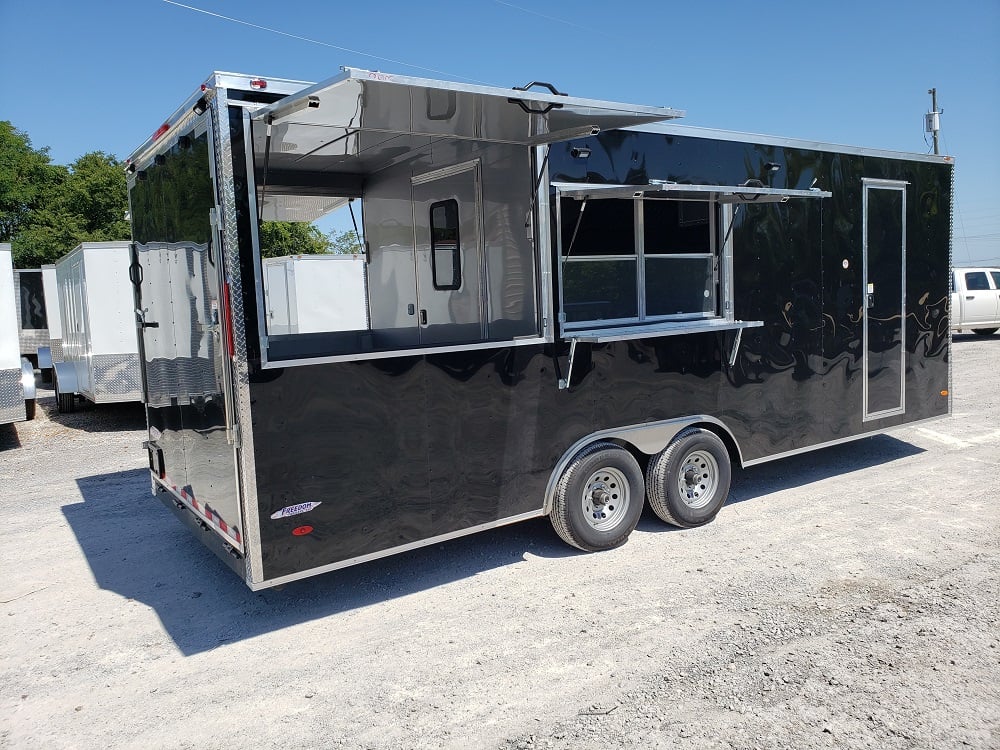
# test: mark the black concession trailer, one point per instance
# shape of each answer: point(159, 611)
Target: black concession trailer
point(570, 308)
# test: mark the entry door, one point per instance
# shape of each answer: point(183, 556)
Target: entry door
point(884, 211)
point(447, 237)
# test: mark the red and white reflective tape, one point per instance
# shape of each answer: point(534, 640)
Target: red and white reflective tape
point(205, 511)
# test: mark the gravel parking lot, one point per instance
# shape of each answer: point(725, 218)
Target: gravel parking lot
point(846, 598)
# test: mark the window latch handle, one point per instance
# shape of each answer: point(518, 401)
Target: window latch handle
point(423, 317)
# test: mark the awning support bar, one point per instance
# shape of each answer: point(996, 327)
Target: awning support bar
point(564, 382)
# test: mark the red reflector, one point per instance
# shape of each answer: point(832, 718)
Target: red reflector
point(302, 530)
point(161, 130)
point(258, 83)
point(227, 312)
point(204, 87)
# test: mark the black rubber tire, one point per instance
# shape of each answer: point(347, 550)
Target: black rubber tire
point(665, 470)
point(984, 331)
point(65, 402)
point(29, 409)
point(568, 516)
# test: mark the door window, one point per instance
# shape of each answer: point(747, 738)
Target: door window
point(446, 256)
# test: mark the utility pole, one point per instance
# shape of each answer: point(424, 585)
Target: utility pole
point(932, 121)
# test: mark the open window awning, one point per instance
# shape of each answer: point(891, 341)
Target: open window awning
point(677, 191)
point(369, 120)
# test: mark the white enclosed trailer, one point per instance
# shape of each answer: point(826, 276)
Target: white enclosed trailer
point(315, 293)
point(100, 352)
point(17, 379)
point(52, 352)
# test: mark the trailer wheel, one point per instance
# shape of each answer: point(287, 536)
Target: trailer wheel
point(599, 498)
point(984, 331)
point(688, 482)
point(65, 402)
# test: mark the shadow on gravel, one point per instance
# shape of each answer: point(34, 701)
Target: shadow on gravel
point(90, 417)
point(137, 549)
point(958, 338)
point(8, 437)
point(796, 471)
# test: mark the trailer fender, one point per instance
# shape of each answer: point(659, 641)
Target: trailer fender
point(65, 378)
point(44, 357)
point(27, 380)
point(648, 439)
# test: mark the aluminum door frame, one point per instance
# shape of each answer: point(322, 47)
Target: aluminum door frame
point(868, 184)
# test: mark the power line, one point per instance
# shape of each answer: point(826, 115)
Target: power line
point(321, 43)
point(549, 18)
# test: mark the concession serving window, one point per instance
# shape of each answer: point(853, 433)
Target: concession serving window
point(437, 177)
point(655, 259)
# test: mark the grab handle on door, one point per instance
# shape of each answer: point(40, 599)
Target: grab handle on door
point(423, 317)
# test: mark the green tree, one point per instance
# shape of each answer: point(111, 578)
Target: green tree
point(278, 238)
point(26, 176)
point(345, 243)
point(88, 204)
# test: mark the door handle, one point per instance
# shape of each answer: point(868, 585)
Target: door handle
point(423, 317)
point(140, 316)
point(970, 296)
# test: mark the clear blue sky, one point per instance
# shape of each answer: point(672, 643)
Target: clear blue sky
point(80, 76)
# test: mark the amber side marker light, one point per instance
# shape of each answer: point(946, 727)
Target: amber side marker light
point(302, 530)
point(944, 393)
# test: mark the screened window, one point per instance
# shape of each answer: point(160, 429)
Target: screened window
point(629, 260)
point(600, 261)
point(446, 256)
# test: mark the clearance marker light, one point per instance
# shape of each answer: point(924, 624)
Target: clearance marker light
point(944, 393)
point(258, 83)
point(161, 130)
point(302, 530)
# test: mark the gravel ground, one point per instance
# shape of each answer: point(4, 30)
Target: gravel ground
point(847, 598)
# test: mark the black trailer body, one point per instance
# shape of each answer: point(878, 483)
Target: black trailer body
point(569, 311)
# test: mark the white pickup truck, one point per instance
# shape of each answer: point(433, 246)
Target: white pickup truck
point(975, 300)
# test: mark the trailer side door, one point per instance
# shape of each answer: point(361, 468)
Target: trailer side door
point(884, 248)
point(447, 205)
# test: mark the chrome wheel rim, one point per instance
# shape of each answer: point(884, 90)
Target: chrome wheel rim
point(698, 479)
point(606, 498)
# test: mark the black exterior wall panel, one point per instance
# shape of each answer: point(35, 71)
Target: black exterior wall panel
point(402, 450)
point(788, 272)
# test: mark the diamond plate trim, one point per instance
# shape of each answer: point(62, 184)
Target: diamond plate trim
point(116, 377)
point(32, 338)
point(241, 375)
point(11, 397)
point(56, 350)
